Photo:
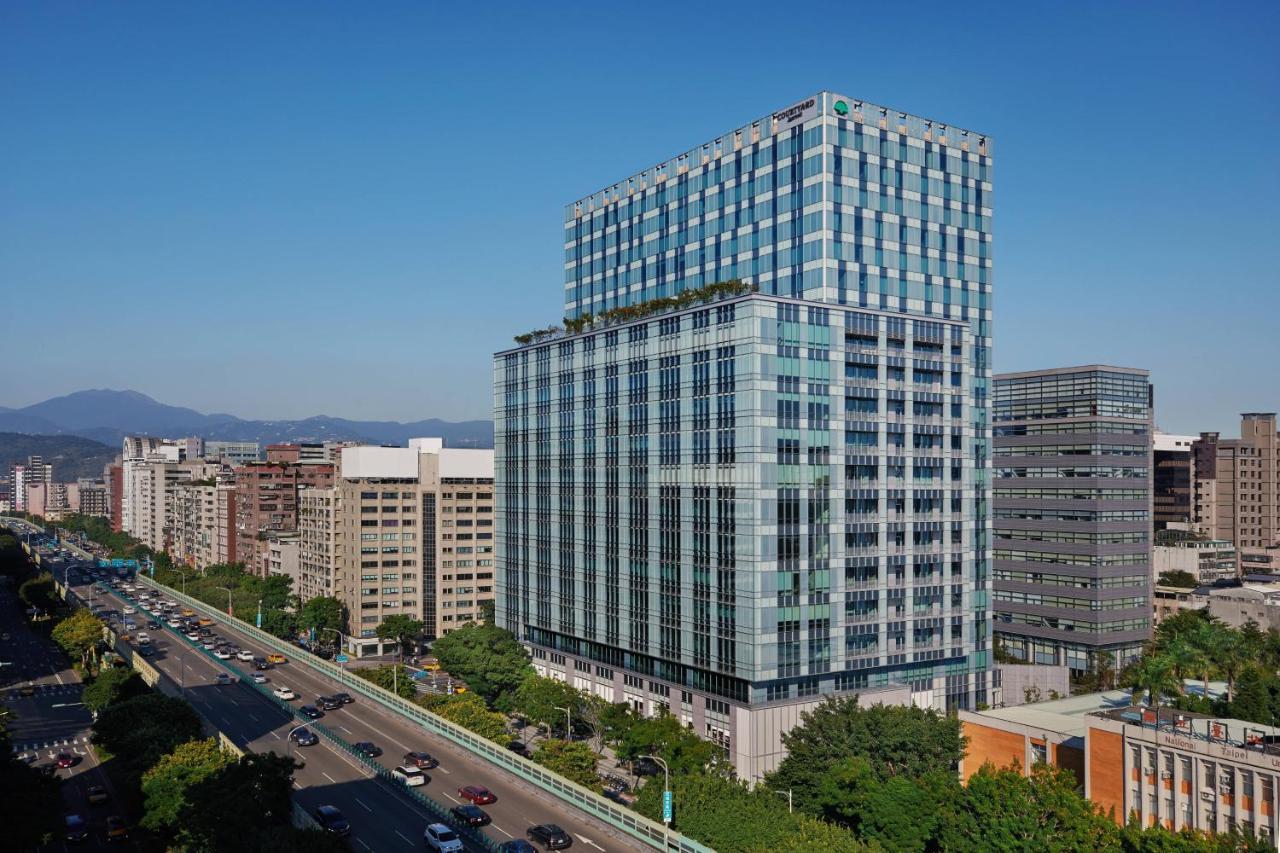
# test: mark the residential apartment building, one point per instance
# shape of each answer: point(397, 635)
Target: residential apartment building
point(413, 534)
point(113, 476)
point(733, 509)
point(202, 527)
point(1072, 505)
point(1172, 477)
point(282, 557)
point(1237, 483)
point(317, 560)
point(152, 500)
point(23, 476)
point(266, 504)
point(225, 550)
point(93, 498)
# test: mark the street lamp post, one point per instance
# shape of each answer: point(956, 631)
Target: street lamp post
point(666, 796)
point(568, 722)
point(787, 794)
point(184, 580)
point(342, 642)
point(228, 591)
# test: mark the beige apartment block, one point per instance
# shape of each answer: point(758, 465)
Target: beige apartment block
point(194, 521)
point(1236, 493)
point(413, 535)
point(316, 542)
point(151, 492)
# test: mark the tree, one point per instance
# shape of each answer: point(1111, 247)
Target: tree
point(895, 741)
point(38, 592)
point(165, 785)
point(900, 812)
point(1183, 656)
point(571, 759)
point(1004, 810)
point(31, 808)
point(469, 711)
point(1152, 674)
point(489, 659)
point(236, 803)
point(542, 700)
point(400, 628)
point(138, 732)
point(324, 613)
point(1178, 578)
point(393, 677)
point(1253, 699)
point(1230, 654)
point(1205, 638)
point(79, 634)
point(112, 685)
point(486, 611)
point(280, 624)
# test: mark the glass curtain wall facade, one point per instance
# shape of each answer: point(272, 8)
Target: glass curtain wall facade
point(1073, 521)
point(781, 495)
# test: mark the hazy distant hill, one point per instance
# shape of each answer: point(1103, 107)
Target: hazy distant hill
point(71, 456)
point(106, 416)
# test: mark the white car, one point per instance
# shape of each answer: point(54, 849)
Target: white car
point(174, 623)
point(222, 654)
point(129, 611)
point(442, 839)
point(224, 678)
point(258, 678)
point(244, 655)
point(143, 638)
point(410, 776)
point(193, 636)
point(284, 693)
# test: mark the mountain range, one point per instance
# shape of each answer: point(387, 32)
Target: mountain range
point(107, 416)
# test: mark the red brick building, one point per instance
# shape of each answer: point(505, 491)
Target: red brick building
point(266, 504)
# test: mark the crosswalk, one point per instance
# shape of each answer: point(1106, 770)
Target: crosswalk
point(53, 743)
point(47, 690)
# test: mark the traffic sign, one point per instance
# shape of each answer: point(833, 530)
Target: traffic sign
point(341, 658)
point(666, 807)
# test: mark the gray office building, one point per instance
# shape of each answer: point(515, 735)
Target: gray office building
point(1072, 514)
point(753, 469)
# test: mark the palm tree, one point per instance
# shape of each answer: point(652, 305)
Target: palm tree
point(1232, 655)
point(1153, 674)
point(1183, 657)
point(1206, 639)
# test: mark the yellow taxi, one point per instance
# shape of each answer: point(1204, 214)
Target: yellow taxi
point(276, 657)
point(188, 612)
point(204, 621)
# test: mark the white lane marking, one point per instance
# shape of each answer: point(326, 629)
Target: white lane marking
point(58, 676)
point(362, 844)
point(252, 717)
point(361, 802)
point(503, 831)
point(344, 729)
point(451, 797)
point(327, 776)
point(406, 840)
point(586, 840)
point(442, 770)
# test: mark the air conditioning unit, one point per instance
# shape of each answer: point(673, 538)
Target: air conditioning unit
point(1151, 771)
point(1224, 789)
point(1166, 774)
point(1207, 796)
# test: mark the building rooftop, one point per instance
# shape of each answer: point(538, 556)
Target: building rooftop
point(1204, 727)
point(1084, 368)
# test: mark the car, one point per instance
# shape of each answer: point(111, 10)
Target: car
point(550, 836)
point(188, 612)
point(77, 828)
point(225, 678)
point(284, 693)
point(193, 636)
point(332, 820)
point(27, 689)
point(116, 828)
point(153, 625)
point(276, 657)
point(344, 698)
point(208, 644)
point(328, 703)
point(420, 759)
point(97, 794)
point(222, 654)
point(129, 624)
point(146, 650)
point(64, 760)
point(204, 621)
point(517, 845)
point(311, 711)
point(441, 838)
point(410, 776)
point(144, 637)
point(367, 748)
point(245, 656)
point(260, 664)
point(477, 794)
point(174, 623)
point(469, 815)
point(304, 737)
point(519, 748)
point(129, 610)
point(258, 678)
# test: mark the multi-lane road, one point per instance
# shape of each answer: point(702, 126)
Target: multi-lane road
point(382, 816)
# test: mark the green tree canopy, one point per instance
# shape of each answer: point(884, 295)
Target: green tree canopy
point(399, 628)
point(38, 592)
point(324, 613)
point(542, 701)
point(114, 684)
point(1178, 578)
point(666, 737)
point(900, 812)
point(571, 759)
point(1004, 810)
point(469, 711)
point(489, 659)
point(165, 785)
point(138, 732)
point(228, 808)
point(389, 677)
point(894, 740)
point(79, 634)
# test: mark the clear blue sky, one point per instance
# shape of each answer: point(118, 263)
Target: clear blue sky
point(283, 209)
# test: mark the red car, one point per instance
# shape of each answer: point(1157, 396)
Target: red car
point(65, 759)
point(477, 794)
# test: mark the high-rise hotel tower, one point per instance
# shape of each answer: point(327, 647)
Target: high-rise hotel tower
point(731, 501)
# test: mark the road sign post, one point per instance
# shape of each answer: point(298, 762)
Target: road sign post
point(666, 807)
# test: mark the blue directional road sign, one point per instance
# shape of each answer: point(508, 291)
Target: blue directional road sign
point(666, 807)
point(341, 658)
